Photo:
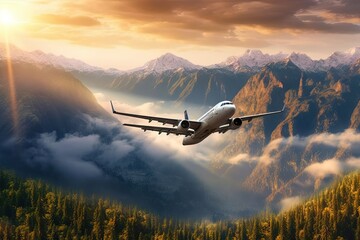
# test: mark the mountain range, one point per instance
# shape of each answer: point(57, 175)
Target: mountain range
point(64, 136)
point(250, 60)
point(280, 157)
point(319, 105)
point(173, 78)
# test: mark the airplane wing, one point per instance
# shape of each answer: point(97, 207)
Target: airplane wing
point(161, 129)
point(226, 127)
point(175, 122)
point(251, 117)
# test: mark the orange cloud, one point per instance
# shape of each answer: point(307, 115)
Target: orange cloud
point(66, 20)
point(155, 23)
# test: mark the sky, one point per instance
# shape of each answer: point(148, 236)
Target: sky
point(127, 33)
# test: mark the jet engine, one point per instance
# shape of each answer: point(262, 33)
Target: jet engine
point(183, 126)
point(235, 123)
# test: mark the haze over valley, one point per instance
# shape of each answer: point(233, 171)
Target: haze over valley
point(268, 162)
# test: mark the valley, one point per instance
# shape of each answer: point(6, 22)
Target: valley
point(268, 159)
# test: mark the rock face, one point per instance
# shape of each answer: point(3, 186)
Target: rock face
point(66, 137)
point(316, 103)
point(47, 99)
point(355, 117)
point(204, 86)
point(166, 62)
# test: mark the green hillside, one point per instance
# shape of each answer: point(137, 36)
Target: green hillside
point(30, 209)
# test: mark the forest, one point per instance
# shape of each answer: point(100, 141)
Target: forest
point(31, 209)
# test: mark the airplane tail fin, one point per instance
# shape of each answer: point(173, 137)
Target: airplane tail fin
point(112, 107)
point(186, 116)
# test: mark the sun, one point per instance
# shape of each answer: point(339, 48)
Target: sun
point(6, 17)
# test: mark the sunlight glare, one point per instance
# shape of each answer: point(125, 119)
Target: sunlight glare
point(6, 17)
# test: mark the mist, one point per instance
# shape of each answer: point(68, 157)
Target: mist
point(159, 174)
point(335, 155)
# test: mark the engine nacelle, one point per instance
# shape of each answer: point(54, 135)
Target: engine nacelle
point(235, 123)
point(183, 126)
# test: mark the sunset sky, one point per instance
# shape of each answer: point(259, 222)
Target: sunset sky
point(127, 33)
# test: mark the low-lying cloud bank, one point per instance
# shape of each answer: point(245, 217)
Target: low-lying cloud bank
point(333, 167)
point(152, 171)
point(301, 166)
point(318, 156)
point(348, 140)
point(169, 177)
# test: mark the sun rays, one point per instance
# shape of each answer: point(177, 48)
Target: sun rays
point(7, 20)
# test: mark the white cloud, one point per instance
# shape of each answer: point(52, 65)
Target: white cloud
point(116, 150)
point(353, 163)
point(349, 140)
point(242, 157)
point(333, 167)
point(288, 203)
point(325, 168)
point(66, 155)
point(344, 139)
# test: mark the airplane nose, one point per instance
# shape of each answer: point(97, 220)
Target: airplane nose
point(231, 108)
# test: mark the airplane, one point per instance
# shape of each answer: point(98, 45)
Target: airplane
point(217, 119)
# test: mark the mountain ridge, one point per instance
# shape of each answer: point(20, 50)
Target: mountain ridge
point(250, 60)
point(165, 62)
point(317, 104)
point(68, 139)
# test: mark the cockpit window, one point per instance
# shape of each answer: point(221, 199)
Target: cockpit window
point(226, 103)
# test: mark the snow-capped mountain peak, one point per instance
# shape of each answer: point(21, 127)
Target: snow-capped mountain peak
point(355, 51)
point(252, 59)
point(165, 62)
point(342, 58)
point(303, 61)
point(41, 58)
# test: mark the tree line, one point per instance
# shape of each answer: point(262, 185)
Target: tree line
point(31, 209)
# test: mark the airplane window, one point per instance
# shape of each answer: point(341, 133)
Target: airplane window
point(226, 103)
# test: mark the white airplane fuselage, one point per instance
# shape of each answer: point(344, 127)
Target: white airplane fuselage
point(218, 119)
point(217, 116)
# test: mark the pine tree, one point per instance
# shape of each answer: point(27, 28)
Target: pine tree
point(256, 234)
point(40, 224)
point(99, 221)
point(274, 228)
point(357, 232)
point(309, 225)
point(291, 227)
point(244, 233)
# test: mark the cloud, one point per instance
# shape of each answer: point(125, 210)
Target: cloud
point(83, 21)
point(342, 8)
point(116, 150)
point(289, 203)
point(333, 166)
point(223, 16)
point(325, 168)
point(66, 155)
point(353, 163)
point(138, 166)
point(348, 140)
point(144, 23)
point(242, 157)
